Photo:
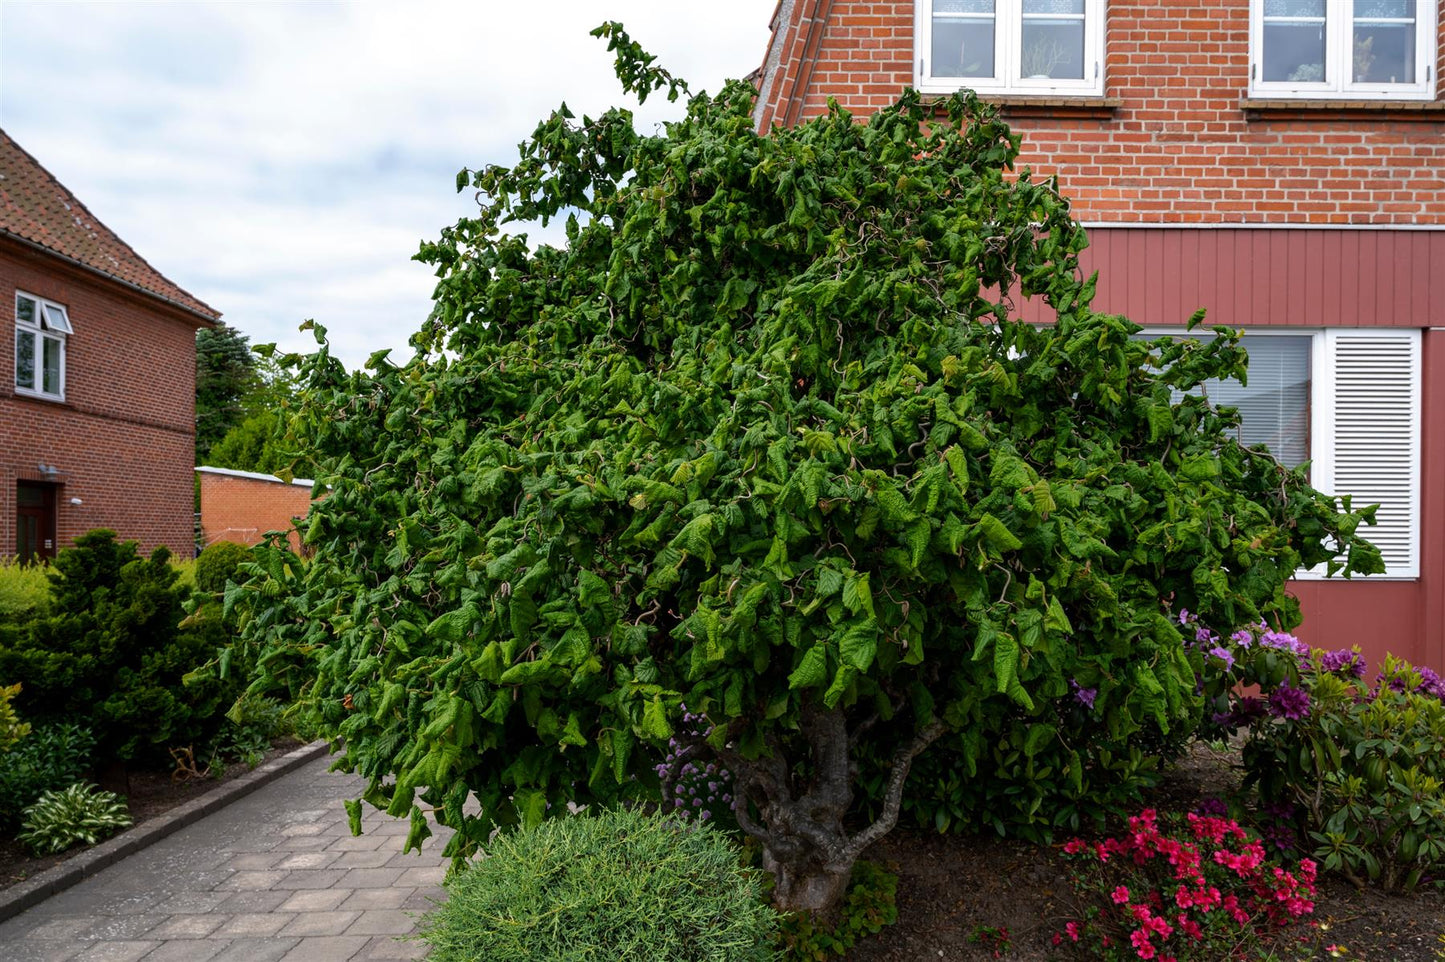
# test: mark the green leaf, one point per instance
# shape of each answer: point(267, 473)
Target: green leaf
point(654, 719)
point(812, 670)
point(859, 644)
point(858, 596)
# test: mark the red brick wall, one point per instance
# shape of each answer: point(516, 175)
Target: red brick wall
point(244, 509)
point(1179, 148)
point(124, 438)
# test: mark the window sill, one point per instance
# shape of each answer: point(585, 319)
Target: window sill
point(1047, 107)
point(1423, 111)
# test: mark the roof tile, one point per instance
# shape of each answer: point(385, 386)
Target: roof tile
point(36, 207)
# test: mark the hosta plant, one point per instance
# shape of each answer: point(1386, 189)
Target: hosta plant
point(79, 814)
point(765, 437)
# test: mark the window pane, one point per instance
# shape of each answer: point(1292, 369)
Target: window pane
point(1274, 410)
point(24, 310)
point(963, 32)
point(52, 366)
point(1075, 7)
point(1294, 51)
point(1053, 48)
point(56, 320)
point(25, 360)
point(1383, 42)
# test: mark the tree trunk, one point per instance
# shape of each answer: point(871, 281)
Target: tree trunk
point(812, 888)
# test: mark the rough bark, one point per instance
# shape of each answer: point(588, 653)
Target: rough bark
point(805, 843)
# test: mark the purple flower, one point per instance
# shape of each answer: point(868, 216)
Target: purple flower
point(1203, 636)
point(1184, 616)
point(1223, 655)
point(1284, 641)
point(1430, 683)
point(1290, 703)
point(1343, 660)
point(1084, 696)
point(1243, 637)
point(1244, 713)
point(1213, 806)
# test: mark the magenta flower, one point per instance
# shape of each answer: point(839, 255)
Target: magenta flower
point(1289, 703)
point(1344, 660)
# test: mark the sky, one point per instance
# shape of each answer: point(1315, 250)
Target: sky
point(284, 160)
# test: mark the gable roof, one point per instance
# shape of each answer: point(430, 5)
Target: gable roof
point(36, 209)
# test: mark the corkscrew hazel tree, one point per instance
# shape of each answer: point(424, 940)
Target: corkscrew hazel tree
point(763, 438)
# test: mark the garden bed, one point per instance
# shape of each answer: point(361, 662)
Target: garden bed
point(151, 793)
point(956, 893)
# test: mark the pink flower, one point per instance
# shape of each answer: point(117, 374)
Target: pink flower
point(1121, 895)
point(1072, 929)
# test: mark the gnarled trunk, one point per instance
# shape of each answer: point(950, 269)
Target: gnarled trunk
point(805, 844)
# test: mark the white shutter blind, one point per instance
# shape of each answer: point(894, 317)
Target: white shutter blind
point(1368, 435)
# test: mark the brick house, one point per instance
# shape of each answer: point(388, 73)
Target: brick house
point(97, 406)
point(242, 506)
point(1278, 162)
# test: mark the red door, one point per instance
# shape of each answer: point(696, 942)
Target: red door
point(34, 521)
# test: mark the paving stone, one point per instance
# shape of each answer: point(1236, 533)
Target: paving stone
point(123, 951)
point(370, 878)
point(112, 928)
point(428, 875)
point(339, 949)
point(389, 947)
point(63, 928)
point(323, 878)
point(254, 924)
point(356, 843)
point(293, 830)
point(187, 926)
point(192, 902)
point(303, 843)
point(240, 881)
point(187, 950)
point(388, 898)
point(298, 860)
point(319, 923)
point(42, 951)
point(374, 859)
point(240, 902)
point(382, 922)
point(253, 861)
point(318, 901)
point(256, 950)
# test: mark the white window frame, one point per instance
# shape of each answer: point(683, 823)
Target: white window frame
point(1339, 58)
point(1325, 425)
point(1008, 46)
point(51, 323)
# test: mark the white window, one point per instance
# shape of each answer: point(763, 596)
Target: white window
point(1355, 49)
point(1011, 46)
point(1348, 402)
point(41, 327)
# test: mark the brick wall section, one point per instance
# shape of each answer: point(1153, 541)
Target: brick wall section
point(124, 438)
point(1179, 148)
point(244, 509)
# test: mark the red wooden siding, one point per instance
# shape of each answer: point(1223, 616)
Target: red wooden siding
point(1248, 277)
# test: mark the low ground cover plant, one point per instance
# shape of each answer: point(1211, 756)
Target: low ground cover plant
point(75, 815)
point(52, 756)
point(870, 904)
point(1197, 888)
point(619, 884)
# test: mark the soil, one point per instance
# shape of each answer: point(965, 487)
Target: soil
point(956, 892)
point(148, 794)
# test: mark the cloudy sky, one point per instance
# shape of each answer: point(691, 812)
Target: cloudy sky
point(283, 160)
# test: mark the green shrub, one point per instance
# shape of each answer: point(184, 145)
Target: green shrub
point(76, 814)
point(1365, 764)
point(112, 654)
point(617, 885)
point(185, 569)
point(252, 723)
point(870, 905)
point(24, 591)
point(50, 757)
point(219, 563)
point(12, 729)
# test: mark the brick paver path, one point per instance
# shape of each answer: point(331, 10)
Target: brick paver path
point(274, 876)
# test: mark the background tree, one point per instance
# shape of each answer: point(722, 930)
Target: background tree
point(766, 440)
point(260, 440)
point(225, 373)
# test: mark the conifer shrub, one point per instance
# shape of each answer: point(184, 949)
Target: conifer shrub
point(620, 884)
point(112, 655)
point(218, 563)
point(24, 592)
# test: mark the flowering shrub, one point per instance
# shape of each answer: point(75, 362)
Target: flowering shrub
point(1194, 888)
point(1361, 761)
point(692, 786)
